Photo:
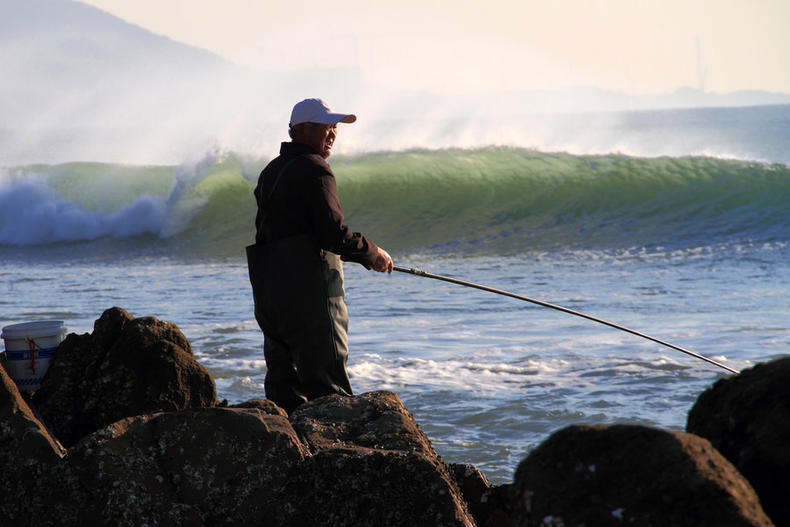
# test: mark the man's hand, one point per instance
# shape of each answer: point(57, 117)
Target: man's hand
point(383, 262)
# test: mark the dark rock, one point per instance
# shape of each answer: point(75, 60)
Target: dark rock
point(371, 466)
point(372, 420)
point(127, 367)
point(499, 502)
point(747, 418)
point(200, 467)
point(109, 326)
point(263, 405)
point(27, 454)
point(474, 486)
point(622, 474)
point(358, 487)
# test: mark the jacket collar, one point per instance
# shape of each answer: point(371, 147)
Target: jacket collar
point(294, 149)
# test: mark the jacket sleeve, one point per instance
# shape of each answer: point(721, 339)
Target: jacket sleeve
point(328, 223)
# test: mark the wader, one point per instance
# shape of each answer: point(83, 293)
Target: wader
point(300, 307)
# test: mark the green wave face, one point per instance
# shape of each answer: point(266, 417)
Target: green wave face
point(492, 200)
point(514, 200)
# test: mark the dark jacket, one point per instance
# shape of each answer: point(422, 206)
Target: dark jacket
point(304, 201)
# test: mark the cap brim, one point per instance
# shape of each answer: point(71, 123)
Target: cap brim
point(332, 118)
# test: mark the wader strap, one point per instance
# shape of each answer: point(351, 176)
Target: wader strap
point(266, 234)
point(279, 175)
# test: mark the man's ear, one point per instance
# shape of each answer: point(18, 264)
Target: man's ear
point(297, 132)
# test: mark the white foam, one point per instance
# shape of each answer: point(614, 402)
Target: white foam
point(456, 374)
point(33, 213)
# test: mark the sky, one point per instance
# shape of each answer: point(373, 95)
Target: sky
point(461, 46)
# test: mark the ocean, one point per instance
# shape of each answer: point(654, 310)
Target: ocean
point(672, 223)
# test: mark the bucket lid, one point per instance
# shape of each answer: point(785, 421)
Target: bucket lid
point(39, 328)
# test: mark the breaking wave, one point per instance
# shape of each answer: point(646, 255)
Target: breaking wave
point(487, 200)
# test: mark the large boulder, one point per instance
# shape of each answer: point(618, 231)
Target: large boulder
point(127, 367)
point(199, 467)
point(633, 475)
point(371, 466)
point(747, 418)
point(27, 454)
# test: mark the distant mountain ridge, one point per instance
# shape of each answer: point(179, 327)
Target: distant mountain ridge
point(61, 54)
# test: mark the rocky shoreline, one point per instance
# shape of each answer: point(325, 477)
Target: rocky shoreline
point(127, 430)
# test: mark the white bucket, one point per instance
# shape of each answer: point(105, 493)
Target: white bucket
point(29, 348)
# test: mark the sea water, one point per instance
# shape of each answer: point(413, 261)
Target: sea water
point(690, 249)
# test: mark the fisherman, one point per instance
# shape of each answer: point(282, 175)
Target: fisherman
point(295, 265)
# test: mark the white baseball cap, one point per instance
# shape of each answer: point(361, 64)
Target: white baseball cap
point(317, 111)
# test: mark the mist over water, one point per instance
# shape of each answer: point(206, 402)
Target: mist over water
point(83, 86)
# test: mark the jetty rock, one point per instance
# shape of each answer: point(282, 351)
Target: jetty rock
point(614, 475)
point(747, 418)
point(128, 366)
point(148, 444)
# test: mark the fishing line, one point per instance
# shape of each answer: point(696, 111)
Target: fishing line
point(419, 272)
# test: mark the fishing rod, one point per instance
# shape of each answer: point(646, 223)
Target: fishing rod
point(419, 272)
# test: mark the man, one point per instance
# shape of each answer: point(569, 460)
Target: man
point(295, 265)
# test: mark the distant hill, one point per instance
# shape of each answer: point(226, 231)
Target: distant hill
point(66, 60)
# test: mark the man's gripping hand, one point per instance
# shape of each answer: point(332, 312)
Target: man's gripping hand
point(383, 262)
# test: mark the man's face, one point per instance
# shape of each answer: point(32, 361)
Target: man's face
point(320, 137)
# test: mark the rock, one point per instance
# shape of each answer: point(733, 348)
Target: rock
point(362, 461)
point(199, 467)
point(747, 418)
point(499, 507)
point(635, 475)
point(480, 496)
point(341, 487)
point(109, 327)
point(27, 454)
point(264, 405)
point(127, 367)
point(371, 466)
point(371, 420)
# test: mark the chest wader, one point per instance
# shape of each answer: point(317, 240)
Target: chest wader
point(300, 307)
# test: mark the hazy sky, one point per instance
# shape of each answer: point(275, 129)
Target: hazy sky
point(635, 46)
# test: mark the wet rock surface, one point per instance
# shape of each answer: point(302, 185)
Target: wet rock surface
point(631, 475)
point(747, 418)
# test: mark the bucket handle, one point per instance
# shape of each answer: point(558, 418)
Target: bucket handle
point(31, 344)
